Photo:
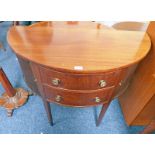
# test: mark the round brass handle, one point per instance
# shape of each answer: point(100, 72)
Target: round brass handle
point(58, 98)
point(55, 81)
point(102, 83)
point(97, 99)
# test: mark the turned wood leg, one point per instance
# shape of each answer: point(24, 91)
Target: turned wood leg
point(48, 111)
point(6, 84)
point(9, 112)
point(11, 98)
point(102, 113)
point(150, 128)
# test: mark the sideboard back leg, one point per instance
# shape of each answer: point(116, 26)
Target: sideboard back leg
point(102, 113)
point(48, 111)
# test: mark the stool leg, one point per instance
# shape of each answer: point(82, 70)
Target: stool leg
point(6, 84)
point(102, 113)
point(12, 98)
point(48, 111)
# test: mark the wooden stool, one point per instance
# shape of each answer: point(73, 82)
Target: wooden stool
point(12, 98)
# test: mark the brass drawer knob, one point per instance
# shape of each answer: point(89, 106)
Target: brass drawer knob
point(102, 83)
point(55, 81)
point(58, 98)
point(97, 100)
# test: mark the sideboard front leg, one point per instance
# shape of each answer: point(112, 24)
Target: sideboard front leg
point(36, 73)
point(48, 111)
point(102, 113)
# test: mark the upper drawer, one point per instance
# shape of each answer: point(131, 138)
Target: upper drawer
point(78, 81)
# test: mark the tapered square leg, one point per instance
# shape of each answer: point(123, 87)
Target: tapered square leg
point(102, 113)
point(48, 111)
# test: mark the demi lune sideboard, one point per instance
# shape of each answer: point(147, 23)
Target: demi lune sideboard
point(77, 64)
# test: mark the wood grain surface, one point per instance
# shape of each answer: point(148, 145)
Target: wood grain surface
point(79, 48)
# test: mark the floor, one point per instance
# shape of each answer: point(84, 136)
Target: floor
point(32, 119)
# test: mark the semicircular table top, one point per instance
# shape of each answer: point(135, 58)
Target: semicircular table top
point(79, 46)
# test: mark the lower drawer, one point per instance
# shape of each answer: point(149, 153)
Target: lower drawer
point(77, 97)
point(78, 81)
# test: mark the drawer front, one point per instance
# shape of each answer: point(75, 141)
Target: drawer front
point(78, 81)
point(77, 98)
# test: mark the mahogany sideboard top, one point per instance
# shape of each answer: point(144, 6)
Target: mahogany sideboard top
point(79, 46)
point(77, 63)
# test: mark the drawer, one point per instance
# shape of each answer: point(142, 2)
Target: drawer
point(77, 98)
point(78, 81)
